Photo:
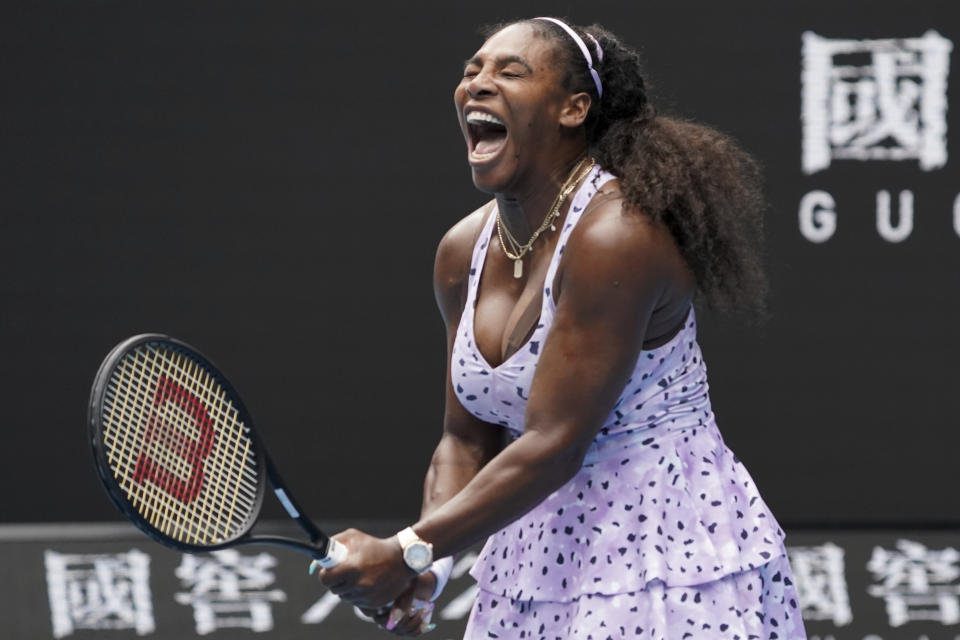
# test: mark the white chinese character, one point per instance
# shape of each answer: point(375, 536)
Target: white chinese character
point(821, 583)
point(917, 583)
point(875, 100)
point(99, 591)
point(228, 589)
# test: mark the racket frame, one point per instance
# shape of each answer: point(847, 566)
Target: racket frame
point(321, 547)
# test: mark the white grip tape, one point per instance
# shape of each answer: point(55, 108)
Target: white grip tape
point(336, 553)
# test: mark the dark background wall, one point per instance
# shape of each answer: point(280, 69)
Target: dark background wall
point(269, 182)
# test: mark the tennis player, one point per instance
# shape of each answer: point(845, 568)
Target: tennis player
point(578, 433)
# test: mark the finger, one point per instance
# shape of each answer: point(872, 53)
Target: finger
point(416, 618)
point(340, 587)
point(329, 578)
point(425, 614)
point(398, 610)
point(377, 614)
point(352, 595)
point(420, 629)
point(403, 620)
point(424, 586)
point(396, 615)
point(338, 579)
point(409, 625)
point(367, 610)
point(361, 597)
point(374, 614)
point(424, 606)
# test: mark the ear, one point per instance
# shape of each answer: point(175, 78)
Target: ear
point(575, 110)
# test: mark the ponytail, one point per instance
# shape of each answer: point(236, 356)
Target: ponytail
point(706, 190)
point(692, 178)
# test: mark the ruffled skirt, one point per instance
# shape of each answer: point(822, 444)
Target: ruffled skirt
point(678, 508)
point(760, 603)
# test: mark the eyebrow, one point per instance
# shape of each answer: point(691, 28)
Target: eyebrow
point(502, 61)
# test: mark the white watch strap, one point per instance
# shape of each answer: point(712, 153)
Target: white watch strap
point(406, 537)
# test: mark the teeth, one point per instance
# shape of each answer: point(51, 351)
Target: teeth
point(477, 117)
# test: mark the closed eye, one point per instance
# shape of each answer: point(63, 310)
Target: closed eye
point(509, 67)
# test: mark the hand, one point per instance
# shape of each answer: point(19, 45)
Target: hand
point(411, 612)
point(373, 575)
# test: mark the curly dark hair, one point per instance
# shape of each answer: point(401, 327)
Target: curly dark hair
point(694, 179)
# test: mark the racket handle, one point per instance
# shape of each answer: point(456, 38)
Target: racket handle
point(336, 553)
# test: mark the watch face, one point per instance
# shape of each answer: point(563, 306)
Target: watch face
point(418, 556)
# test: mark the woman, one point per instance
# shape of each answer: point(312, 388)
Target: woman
point(614, 509)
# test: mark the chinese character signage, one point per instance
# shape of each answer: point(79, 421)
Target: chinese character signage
point(851, 586)
point(917, 583)
point(99, 591)
point(875, 100)
point(228, 589)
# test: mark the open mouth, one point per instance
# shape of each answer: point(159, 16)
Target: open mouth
point(488, 135)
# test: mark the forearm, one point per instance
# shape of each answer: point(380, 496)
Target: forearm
point(454, 464)
point(517, 479)
point(449, 472)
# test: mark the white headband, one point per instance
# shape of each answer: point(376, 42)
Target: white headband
point(583, 49)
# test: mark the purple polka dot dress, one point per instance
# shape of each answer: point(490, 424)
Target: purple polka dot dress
point(661, 535)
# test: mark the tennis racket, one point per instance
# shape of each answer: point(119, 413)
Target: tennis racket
point(177, 453)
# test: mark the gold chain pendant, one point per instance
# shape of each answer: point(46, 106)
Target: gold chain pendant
point(518, 250)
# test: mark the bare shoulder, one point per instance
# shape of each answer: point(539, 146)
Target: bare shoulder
point(614, 241)
point(457, 242)
point(452, 263)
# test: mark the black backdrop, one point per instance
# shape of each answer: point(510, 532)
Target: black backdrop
point(269, 182)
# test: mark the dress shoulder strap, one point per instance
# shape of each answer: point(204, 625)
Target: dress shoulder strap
point(480, 244)
point(581, 200)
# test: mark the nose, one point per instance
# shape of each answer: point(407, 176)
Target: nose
point(481, 84)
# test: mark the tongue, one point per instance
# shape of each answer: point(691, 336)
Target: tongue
point(490, 144)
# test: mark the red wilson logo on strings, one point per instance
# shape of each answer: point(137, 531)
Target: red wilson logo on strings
point(167, 448)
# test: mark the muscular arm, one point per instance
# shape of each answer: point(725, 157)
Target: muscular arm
point(467, 443)
point(617, 267)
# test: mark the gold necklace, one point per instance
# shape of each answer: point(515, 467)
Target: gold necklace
point(516, 251)
point(552, 212)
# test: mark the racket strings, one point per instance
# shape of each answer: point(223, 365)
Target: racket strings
point(169, 502)
point(178, 448)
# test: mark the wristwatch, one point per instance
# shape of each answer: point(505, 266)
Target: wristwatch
point(417, 554)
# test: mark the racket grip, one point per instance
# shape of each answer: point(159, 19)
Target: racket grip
point(336, 553)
